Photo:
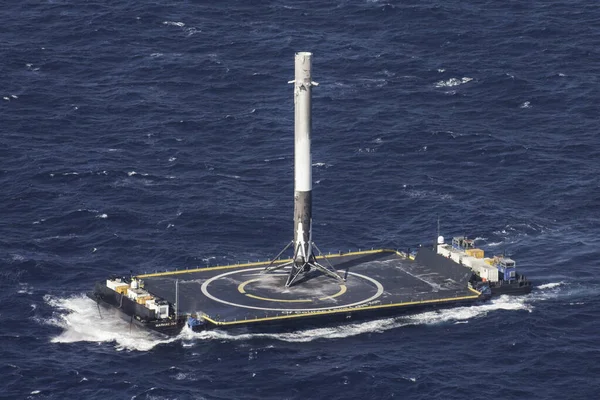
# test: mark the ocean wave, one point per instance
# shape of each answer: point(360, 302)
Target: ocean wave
point(174, 23)
point(551, 285)
point(526, 104)
point(453, 82)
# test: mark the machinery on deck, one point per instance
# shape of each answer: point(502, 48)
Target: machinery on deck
point(498, 272)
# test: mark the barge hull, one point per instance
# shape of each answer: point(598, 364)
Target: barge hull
point(132, 312)
point(378, 284)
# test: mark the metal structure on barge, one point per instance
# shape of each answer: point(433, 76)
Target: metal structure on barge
point(499, 272)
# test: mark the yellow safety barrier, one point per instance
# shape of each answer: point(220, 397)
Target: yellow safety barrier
point(263, 263)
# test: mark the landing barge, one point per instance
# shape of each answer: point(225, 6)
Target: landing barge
point(378, 283)
point(308, 288)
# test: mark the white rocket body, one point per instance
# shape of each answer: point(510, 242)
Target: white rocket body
point(302, 158)
point(304, 259)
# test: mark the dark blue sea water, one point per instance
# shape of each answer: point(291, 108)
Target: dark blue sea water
point(159, 135)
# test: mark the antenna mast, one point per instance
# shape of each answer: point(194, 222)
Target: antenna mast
point(176, 297)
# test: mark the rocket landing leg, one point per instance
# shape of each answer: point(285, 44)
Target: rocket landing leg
point(300, 267)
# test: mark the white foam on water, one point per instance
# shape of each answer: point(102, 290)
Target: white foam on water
point(79, 318)
point(192, 31)
point(132, 173)
point(366, 150)
point(574, 293)
point(453, 82)
point(180, 376)
point(460, 314)
point(173, 23)
point(300, 336)
point(274, 159)
point(24, 288)
point(81, 322)
point(550, 285)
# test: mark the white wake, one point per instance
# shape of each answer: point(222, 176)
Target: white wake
point(80, 321)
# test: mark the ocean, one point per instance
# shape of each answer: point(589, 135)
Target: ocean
point(143, 136)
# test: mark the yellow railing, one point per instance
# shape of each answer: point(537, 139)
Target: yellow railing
point(264, 263)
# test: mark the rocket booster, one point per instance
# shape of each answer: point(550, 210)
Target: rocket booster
point(302, 158)
point(304, 259)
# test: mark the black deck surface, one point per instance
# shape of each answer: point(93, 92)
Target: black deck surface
point(242, 292)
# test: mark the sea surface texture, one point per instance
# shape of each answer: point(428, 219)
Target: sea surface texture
point(142, 136)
